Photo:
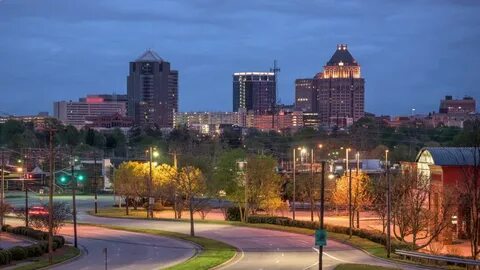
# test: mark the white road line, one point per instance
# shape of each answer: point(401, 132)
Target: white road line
point(331, 256)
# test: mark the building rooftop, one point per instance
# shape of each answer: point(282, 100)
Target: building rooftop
point(451, 156)
point(342, 57)
point(149, 56)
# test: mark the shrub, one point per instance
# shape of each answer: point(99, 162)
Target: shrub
point(5, 257)
point(34, 250)
point(233, 214)
point(18, 253)
point(374, 236)
point(59, 240)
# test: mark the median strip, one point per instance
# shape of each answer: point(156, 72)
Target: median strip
point(212, 253)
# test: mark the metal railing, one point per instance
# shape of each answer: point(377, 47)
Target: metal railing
point(468, 263)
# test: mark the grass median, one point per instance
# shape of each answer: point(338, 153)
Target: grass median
point(60, 255)
point(213, 253)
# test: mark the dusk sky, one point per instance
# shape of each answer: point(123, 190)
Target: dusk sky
point(412, 53)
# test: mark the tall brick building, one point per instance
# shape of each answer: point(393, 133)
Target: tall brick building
point(337, 94)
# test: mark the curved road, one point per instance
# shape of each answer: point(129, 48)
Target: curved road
point(260, 248)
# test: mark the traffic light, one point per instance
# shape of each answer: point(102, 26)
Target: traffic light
point(63, 179)
point(80, 177)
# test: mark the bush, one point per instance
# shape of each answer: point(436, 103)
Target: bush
point(59, 240)
point(233, 214)
point(5, 257)
point(374, 236)
point(34, 250)
point(18, 253)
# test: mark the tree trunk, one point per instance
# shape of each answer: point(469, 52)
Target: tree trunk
point(311, 208)
point(126, 206)
point(190, 206)
point(358, 219)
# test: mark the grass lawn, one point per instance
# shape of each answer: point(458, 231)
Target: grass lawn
point(60, 255)
point(213, 252)
point(362, 267)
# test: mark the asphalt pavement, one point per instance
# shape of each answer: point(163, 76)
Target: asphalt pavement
point(258, 248)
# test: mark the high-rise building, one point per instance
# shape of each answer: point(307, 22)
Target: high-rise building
point(152, 89)
point(76, 112)
point(254, 91)
point(337, 94)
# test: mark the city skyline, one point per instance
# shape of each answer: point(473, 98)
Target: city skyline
point(48, 55)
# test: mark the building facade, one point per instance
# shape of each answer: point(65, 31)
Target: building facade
point(457, 106)
point(75, 113)
point(337, 94)
point(152, 90)
point(254, 91)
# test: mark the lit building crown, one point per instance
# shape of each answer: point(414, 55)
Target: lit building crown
point(341, 65)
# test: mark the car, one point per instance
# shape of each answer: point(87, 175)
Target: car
point(38, 210)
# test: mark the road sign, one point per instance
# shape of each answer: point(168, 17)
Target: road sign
point(320, 238)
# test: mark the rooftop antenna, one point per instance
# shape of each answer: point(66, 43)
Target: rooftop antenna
point(275, 70)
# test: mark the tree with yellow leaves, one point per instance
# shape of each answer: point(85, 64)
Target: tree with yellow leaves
point(190, 183)
point(360, 195)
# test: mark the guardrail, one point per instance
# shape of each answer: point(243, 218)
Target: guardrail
point(468, 263)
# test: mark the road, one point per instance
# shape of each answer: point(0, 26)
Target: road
point(259, 248)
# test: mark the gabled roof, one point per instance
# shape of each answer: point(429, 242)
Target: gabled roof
point(149, 56)
point(343, 56)
point(453, 156)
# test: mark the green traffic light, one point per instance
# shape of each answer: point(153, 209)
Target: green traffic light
point(80, 177)
point(63, 179)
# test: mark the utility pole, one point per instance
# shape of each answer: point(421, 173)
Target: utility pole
point(2, 193)
point(388, 205)
point(312, 201)
point(150, 200)
point(74, 205)
point(350, 217)
point(95, 180)
point(322, 213)
point(294, 184)
point(50, 199)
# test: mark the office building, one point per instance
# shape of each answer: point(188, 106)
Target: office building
point(152, 89)
point(75, 113)
point(457, 106)
point(337, 94)
point(254, 91)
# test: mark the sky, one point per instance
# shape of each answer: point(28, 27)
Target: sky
point(412, 53)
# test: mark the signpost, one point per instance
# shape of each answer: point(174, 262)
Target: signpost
point(320, 238)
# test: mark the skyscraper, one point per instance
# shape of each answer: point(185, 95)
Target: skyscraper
point(337, 94)
point(152, 89)
point(254, 91)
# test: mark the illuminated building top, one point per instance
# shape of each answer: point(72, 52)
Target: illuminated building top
point(341, 65)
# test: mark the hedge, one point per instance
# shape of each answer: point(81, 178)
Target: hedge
point(20, 253)
point(372, 235)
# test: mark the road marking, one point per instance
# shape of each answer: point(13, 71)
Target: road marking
point(331, 256)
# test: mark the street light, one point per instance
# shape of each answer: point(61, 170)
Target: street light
point(346, 159)
point(302, 150)
point(387, 242)
point(357, 155)
point(152, 153)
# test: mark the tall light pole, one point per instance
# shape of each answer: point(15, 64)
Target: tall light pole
point(95, 180)
point(350, 216)
point(152, 153)
point(357, 155)
point(387, 242)
point(74, 203)
point(2, 193)
point(322, 212)
point(302, 150)
point(346, 159)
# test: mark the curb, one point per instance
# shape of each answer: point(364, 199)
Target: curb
point(239, 254)
point(66, 261)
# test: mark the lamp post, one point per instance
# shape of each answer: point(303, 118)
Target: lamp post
point(346, 159)
point(242, 164)
point(152, 153)
point(357, 155)
point(95, 180)
point(2, 193)
point(302, 150)
point(387, 242)
point(74, 205)
point(322, 212)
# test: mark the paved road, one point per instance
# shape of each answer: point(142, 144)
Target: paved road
point(260, 249)
point(125, 250)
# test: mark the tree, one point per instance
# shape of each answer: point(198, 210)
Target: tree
point(61, 214)
point(469, 186)
point(360, 196)
point(411, 211)
point(263, 184)
point(377, 190)
point(190, 184)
